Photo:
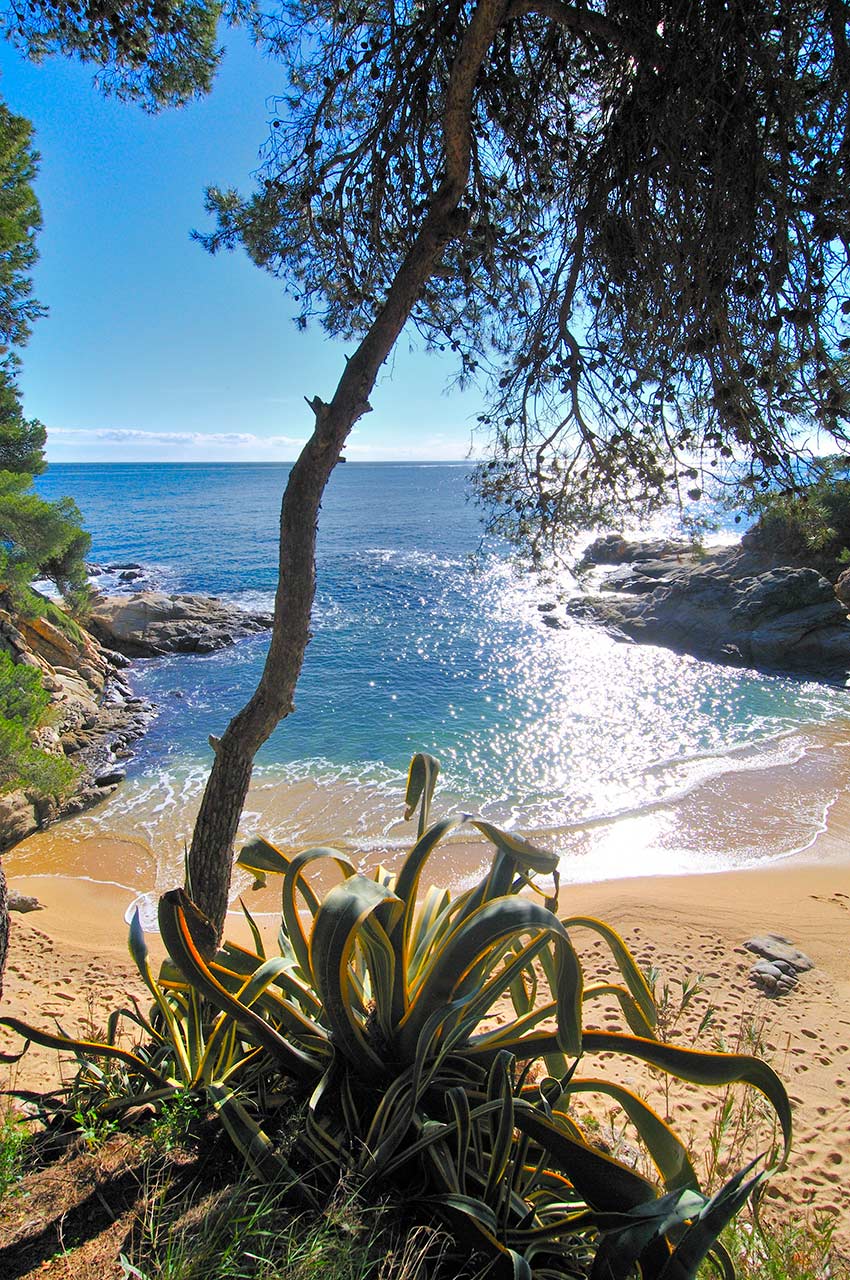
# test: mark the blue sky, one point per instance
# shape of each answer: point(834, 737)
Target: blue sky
point(153, 350)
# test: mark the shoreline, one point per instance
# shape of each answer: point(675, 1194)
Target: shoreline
point(70, 963)
point(779, 801)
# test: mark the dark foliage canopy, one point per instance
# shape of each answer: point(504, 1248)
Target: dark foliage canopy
point(651, 270)
point(36, 537)
point(20, 220)
point(157, 52)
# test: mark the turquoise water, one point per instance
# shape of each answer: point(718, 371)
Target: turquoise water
point(425, 639)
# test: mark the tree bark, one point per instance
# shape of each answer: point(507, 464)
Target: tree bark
point(209, 859)
point(4, 924)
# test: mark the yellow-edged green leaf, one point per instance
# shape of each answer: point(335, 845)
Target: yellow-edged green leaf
point(483, 934)
point(255, 932)
point(295, 882)
point(602, 1182)
point(701, 1068)
point(668, 1152)
point(421, 781)
point(139, 952)
point(632, 974)
point(261, 857)
point(178, 939)
point(632, 1011)
point(335, 932)
point(85, 1048)
point(527, 856)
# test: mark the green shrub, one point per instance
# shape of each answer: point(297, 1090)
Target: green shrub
point(32, 604)
point(23, 696)
point(23, 703)
point(15, 1137)
point(811, 523)
point(25, 766)
point(377, 1048)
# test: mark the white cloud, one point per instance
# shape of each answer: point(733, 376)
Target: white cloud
point(243, 439)
point(76, 444)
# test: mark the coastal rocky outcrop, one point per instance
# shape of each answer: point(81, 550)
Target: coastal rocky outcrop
point(94, 716)
point(727, 605)
point(147, 624)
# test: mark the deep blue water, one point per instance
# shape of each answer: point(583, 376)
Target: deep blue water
point(424, 639)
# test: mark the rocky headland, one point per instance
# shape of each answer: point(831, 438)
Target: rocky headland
point(730, 605)
point(94, 714)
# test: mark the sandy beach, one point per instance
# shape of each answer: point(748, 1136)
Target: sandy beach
point(69, 963)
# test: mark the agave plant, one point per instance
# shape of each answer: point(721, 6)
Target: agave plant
point(407, 1016)
point(437, 1042)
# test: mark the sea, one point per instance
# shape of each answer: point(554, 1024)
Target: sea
point(428, 636)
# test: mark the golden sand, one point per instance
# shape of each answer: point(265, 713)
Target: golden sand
point(69, 963)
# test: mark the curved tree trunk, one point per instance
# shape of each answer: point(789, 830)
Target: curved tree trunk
point(4, 924)
point(210, 856)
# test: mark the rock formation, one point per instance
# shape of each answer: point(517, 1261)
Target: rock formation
point(726, 605)
point(95, 714)
point(149, 623)
point(94, 717)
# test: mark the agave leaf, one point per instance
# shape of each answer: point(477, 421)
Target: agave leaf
point(459, 1104)
point(632, 1011)
point(481, 936)
point(499, 1091)
point(632, 974)
point(638, 1240)
point(233, 965)
point(178, 939)
point(261, 856)
point(255, 932)
point(602, 1182)
point(338, 922)
point(250, 1139)
point(496, 884)
point(474, 1222)
point(421, 781)
point(324, 1142)
point(702, 1068)
point(526, 856)
point(256, 985)
point(139, 951)
point(295, 882)
point(384, 876)
point(476, 1006)
point(406, 888)
point(724, 1266)
point(703, 1231)
point(390, 1124)
point(687, 1064)
point(511, 1035)
point(667, 1151)
point(84, 1048)
point(424, 942)
point(380, 960)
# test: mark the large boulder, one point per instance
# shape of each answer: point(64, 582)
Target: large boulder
point(17, 819)
point(781, 618)
point(150, 623)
